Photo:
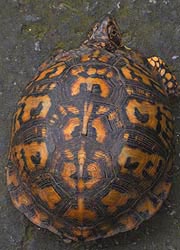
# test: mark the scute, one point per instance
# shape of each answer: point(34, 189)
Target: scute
point(92, 144)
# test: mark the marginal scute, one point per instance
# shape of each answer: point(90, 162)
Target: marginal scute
point(31, 108)
point(80, 213)
point(135, 161)
point(115, 199)
point(31, 157)
point(48, 195)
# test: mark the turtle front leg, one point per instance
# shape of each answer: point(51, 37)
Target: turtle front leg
point(166, 77)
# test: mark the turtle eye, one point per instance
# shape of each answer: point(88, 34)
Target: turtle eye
point(114, 35)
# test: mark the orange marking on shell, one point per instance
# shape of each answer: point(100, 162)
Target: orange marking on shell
point(32, 102)
point(101, 132)
point(115, 199)
point(95, 172)
point(41, 89)
point(76, 70)
point(101, 71)
point(73, 109)
point(58, 72)
point(84, 232)
point(31, 150)
point(69, 154)
point(127, 73)
point(80, 185)
point(44, 132)
point(96, 53)
point(112, 116)
point(75, 88)
point(147, 206)
point(62, 110)
point(22, 199)
point(43, 74)
point(101, 155)
point(47, 195)
point(52, 86)
point(81, 213)
point(55, 117)
point(163, 187)
point(130, 90)
point(57, 225)
point(126, 136)
point(60, 68)
point(104, 58)
point(12, 178)
point(52, 121)
point(102, 110)
point(140, 157)
point(68, 170)
point(106, 227)
point(146, 108)
point(39, 217)
point(43, 66)
point(87, 113)
point(110, 74)
point(145, 79)
point(85, 58)
point(128, 221)
point(17, 159)
point(70, 127)
point(81, 159)
point(91, 71)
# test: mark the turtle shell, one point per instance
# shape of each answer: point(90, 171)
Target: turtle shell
point(92, 142)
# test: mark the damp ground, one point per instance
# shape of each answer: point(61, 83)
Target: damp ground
point(29, 32)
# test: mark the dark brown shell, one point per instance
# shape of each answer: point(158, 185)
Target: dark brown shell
point(92, 143)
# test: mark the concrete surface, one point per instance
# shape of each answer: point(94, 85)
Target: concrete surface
point(29, 30)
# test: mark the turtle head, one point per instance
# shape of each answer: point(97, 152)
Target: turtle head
point(105, 34)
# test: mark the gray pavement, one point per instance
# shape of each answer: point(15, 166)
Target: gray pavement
point(29, 30)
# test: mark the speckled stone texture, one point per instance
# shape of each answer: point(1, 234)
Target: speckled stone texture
point(29, 31)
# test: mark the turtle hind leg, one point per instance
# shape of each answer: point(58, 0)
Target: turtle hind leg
point(165, 75)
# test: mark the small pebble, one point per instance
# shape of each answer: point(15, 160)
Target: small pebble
point(118, 5)
point(166, 1)
point(153, 1)
point(172, 213)
point(171, 248)
point(37, 46)
point(116, 242)
point(175, 57)
point(31, 18)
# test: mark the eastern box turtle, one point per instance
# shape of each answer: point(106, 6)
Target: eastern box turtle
point(92, 139)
